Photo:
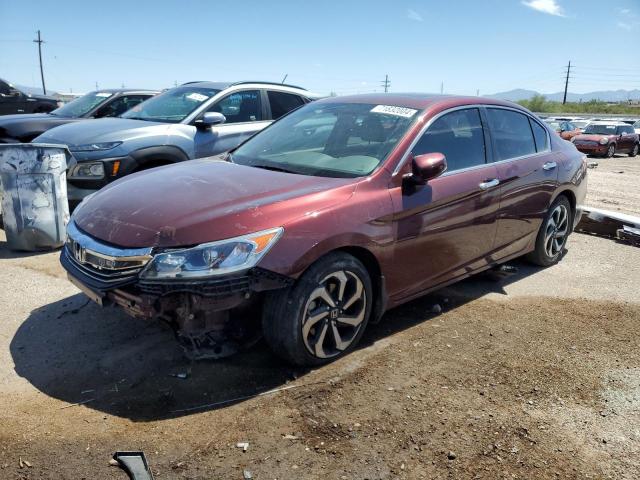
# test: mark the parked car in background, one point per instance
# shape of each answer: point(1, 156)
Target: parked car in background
point(607, 138)
point(101, 103)
point(339, 211)
point(581, 124)
point(194, 120)
point(565, 129)
point(14, 100)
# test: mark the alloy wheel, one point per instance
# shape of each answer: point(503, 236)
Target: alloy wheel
point(611, 151)
point(556, 231)
point(334, 314)
point(634, 152)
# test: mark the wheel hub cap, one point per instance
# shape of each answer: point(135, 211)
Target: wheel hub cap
point(333, 314)
point(556, 231)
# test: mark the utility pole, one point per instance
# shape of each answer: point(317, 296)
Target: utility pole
point(566, 83)
point(386, 83)
point(442, 87)
point(97, 85)
point(477, 92)
point(39, 41)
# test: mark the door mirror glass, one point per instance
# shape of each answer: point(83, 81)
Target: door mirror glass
point(427, 167)
point(210, 119)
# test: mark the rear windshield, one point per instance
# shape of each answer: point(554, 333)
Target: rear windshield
point(172, 106)
point(83, 105)
point(601, 129)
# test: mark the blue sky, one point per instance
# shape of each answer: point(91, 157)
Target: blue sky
point(344, 46)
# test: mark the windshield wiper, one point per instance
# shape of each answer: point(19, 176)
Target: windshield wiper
point(273, 168)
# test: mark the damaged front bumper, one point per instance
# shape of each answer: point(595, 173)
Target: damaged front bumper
point(212, 317)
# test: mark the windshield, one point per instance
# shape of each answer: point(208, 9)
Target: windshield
point(601, 129)
point(580, 124)
point(637, 124)
point(330, 140)
point(83, 105)
point(172, 106)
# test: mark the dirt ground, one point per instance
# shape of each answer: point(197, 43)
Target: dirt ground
point(535, 376)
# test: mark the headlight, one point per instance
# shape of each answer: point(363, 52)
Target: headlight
point(87, 170)
point(94, 147)
point(604, 141)
point(216, 258)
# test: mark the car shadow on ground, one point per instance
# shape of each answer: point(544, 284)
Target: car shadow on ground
point(77, 352)
point(6, 253)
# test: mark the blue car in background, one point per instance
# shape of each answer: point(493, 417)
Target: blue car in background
point(193, 120)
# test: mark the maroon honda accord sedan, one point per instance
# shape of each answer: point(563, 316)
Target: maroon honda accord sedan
point(321, 222)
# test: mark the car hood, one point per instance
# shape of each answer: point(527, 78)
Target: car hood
point(97, 131)
point(201, 201)
point(9, 120)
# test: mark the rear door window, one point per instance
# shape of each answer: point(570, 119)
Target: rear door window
point(511, 132)
point(458, 136)
point(239, 107)
point(540, 136)
point(282, 103)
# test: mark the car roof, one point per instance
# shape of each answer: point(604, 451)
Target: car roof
point(225, 85)
point(610, 122)
point(125, 90)
point(419, 101)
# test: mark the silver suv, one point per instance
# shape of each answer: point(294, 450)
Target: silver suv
point(194, 120)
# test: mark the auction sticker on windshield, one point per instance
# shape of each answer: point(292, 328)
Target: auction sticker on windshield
point(391, 110)
point(198, 97)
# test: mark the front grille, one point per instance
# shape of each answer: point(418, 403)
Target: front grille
point(586, 143)
point(105, 265)
point(101, 273)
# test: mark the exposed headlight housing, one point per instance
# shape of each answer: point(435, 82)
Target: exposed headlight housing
point(94, 147)
point(212, 259)
point(604, 141)
point(87, 171)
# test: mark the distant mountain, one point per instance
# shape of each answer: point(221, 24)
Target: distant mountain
point(34, 90)
point(605, 95)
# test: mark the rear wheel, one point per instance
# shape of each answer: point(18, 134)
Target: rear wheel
point(634, 151)
point(553, 234)
point(611, 151)
point(323, 316)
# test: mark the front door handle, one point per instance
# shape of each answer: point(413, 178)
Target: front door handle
point(489, 184)
point(549, 166)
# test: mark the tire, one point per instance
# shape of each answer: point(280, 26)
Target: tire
point(634, 151)
point(300, 322)
point(611, 151)
point(549, 250)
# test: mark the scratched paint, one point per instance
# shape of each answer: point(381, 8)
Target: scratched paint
point(34, 202)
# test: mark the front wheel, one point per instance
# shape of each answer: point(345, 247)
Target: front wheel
point(553, 234)
point(634, 151)
point(611, 151)
point(321, 317)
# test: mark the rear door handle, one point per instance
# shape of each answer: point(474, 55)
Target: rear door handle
point(489, 184)
point(549, 166)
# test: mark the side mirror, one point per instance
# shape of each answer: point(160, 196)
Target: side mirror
point(427, 167)
point(210, 119)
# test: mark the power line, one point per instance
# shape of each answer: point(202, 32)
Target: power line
point(39, 41)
